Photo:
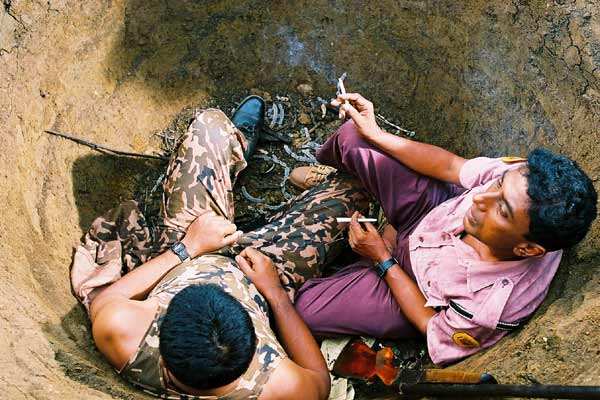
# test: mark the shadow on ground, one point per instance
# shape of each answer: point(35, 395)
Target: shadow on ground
point(101, 182)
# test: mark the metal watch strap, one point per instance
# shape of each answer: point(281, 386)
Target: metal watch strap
point(180, 251)
point(382, 267)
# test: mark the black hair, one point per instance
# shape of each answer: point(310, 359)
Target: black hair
point(207, 338)
point(562, 200)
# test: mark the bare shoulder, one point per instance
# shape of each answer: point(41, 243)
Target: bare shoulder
point(119, 327)
point(290, 381)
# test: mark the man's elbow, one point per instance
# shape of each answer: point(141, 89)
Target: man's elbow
point(314, 385)
point(326, 386)
point(322, 384)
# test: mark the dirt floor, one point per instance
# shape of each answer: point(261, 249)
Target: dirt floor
point(480, 78)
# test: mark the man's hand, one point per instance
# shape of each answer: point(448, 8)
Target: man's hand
point(368, 243)
point(361, 111)
point(261, 271)
point(209, 232)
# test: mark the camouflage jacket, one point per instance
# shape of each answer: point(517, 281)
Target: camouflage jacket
point(144, 368)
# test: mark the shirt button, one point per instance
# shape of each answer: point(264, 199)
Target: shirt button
point(428, 283)
point(421, 239)
point(505, 282)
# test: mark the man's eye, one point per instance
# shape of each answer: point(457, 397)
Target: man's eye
point(502, 211)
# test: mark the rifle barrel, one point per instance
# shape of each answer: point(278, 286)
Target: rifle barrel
point(487, 391)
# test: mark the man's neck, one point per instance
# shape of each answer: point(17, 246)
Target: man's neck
point(485, 252)
point(179, 386)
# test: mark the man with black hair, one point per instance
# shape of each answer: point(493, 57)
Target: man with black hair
point(210, 319)
point(471, 247)
point(184, 310)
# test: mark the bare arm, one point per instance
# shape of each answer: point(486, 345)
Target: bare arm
point(118, 322)
point(119, 319)
point(296, 338)
point(136, 284)
point(208, 232)
point(411, 301)
point(312, 378)
point(409, 298)
point(423, 158)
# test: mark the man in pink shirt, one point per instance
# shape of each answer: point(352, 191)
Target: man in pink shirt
point(477, 241)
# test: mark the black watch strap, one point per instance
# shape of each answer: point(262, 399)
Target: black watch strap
point(382, 267)
point(180, 251)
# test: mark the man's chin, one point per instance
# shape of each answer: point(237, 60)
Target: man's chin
point(467, 224)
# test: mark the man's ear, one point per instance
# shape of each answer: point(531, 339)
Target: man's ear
point(529, 249)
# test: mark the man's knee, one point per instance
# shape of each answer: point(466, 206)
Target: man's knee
point(349, 137)
point(210, 117)
point(211, 127)
point(344, 141)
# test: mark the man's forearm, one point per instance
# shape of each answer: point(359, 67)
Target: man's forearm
point(296, 338)
point(137, 283)
point(409, 298)
point(294, 334)
point(423, 158)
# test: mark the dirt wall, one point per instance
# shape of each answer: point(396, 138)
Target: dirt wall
point(493, 78)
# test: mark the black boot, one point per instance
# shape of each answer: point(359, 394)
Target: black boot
point(248, 118)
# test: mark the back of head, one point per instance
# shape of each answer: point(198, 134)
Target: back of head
point(562, 200)
point(207, 338)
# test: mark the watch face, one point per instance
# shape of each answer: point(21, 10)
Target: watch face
point(178, 247)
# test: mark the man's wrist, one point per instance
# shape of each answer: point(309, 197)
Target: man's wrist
point(374, 134)
point(180, 250)
point(276, 295)
point(192, 250)
point(382, 256)
point(383, 267)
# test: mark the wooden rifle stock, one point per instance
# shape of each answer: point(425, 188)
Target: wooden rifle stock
point(358, 360)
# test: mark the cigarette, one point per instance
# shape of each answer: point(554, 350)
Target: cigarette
point(347, 219)
point(340, 86)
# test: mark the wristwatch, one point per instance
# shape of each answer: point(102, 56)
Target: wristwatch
point(180, 251)
point(382, 267)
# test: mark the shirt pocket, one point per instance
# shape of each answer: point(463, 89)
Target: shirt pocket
point(429, 240)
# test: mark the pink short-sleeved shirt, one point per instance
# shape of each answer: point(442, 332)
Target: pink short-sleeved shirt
point(478, 300)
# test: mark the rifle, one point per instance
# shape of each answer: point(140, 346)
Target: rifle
point(359, 361)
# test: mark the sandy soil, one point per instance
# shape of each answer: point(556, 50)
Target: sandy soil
point(493, 78)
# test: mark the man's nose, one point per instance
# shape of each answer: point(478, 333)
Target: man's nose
point(485, 199)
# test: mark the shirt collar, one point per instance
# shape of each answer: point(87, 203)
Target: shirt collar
point(481, 274)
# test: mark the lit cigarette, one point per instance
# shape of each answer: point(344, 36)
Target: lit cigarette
point(341, 89)
point(341, 84)
point(347, 219)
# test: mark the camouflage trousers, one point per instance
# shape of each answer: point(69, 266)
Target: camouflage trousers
point(301, 238)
